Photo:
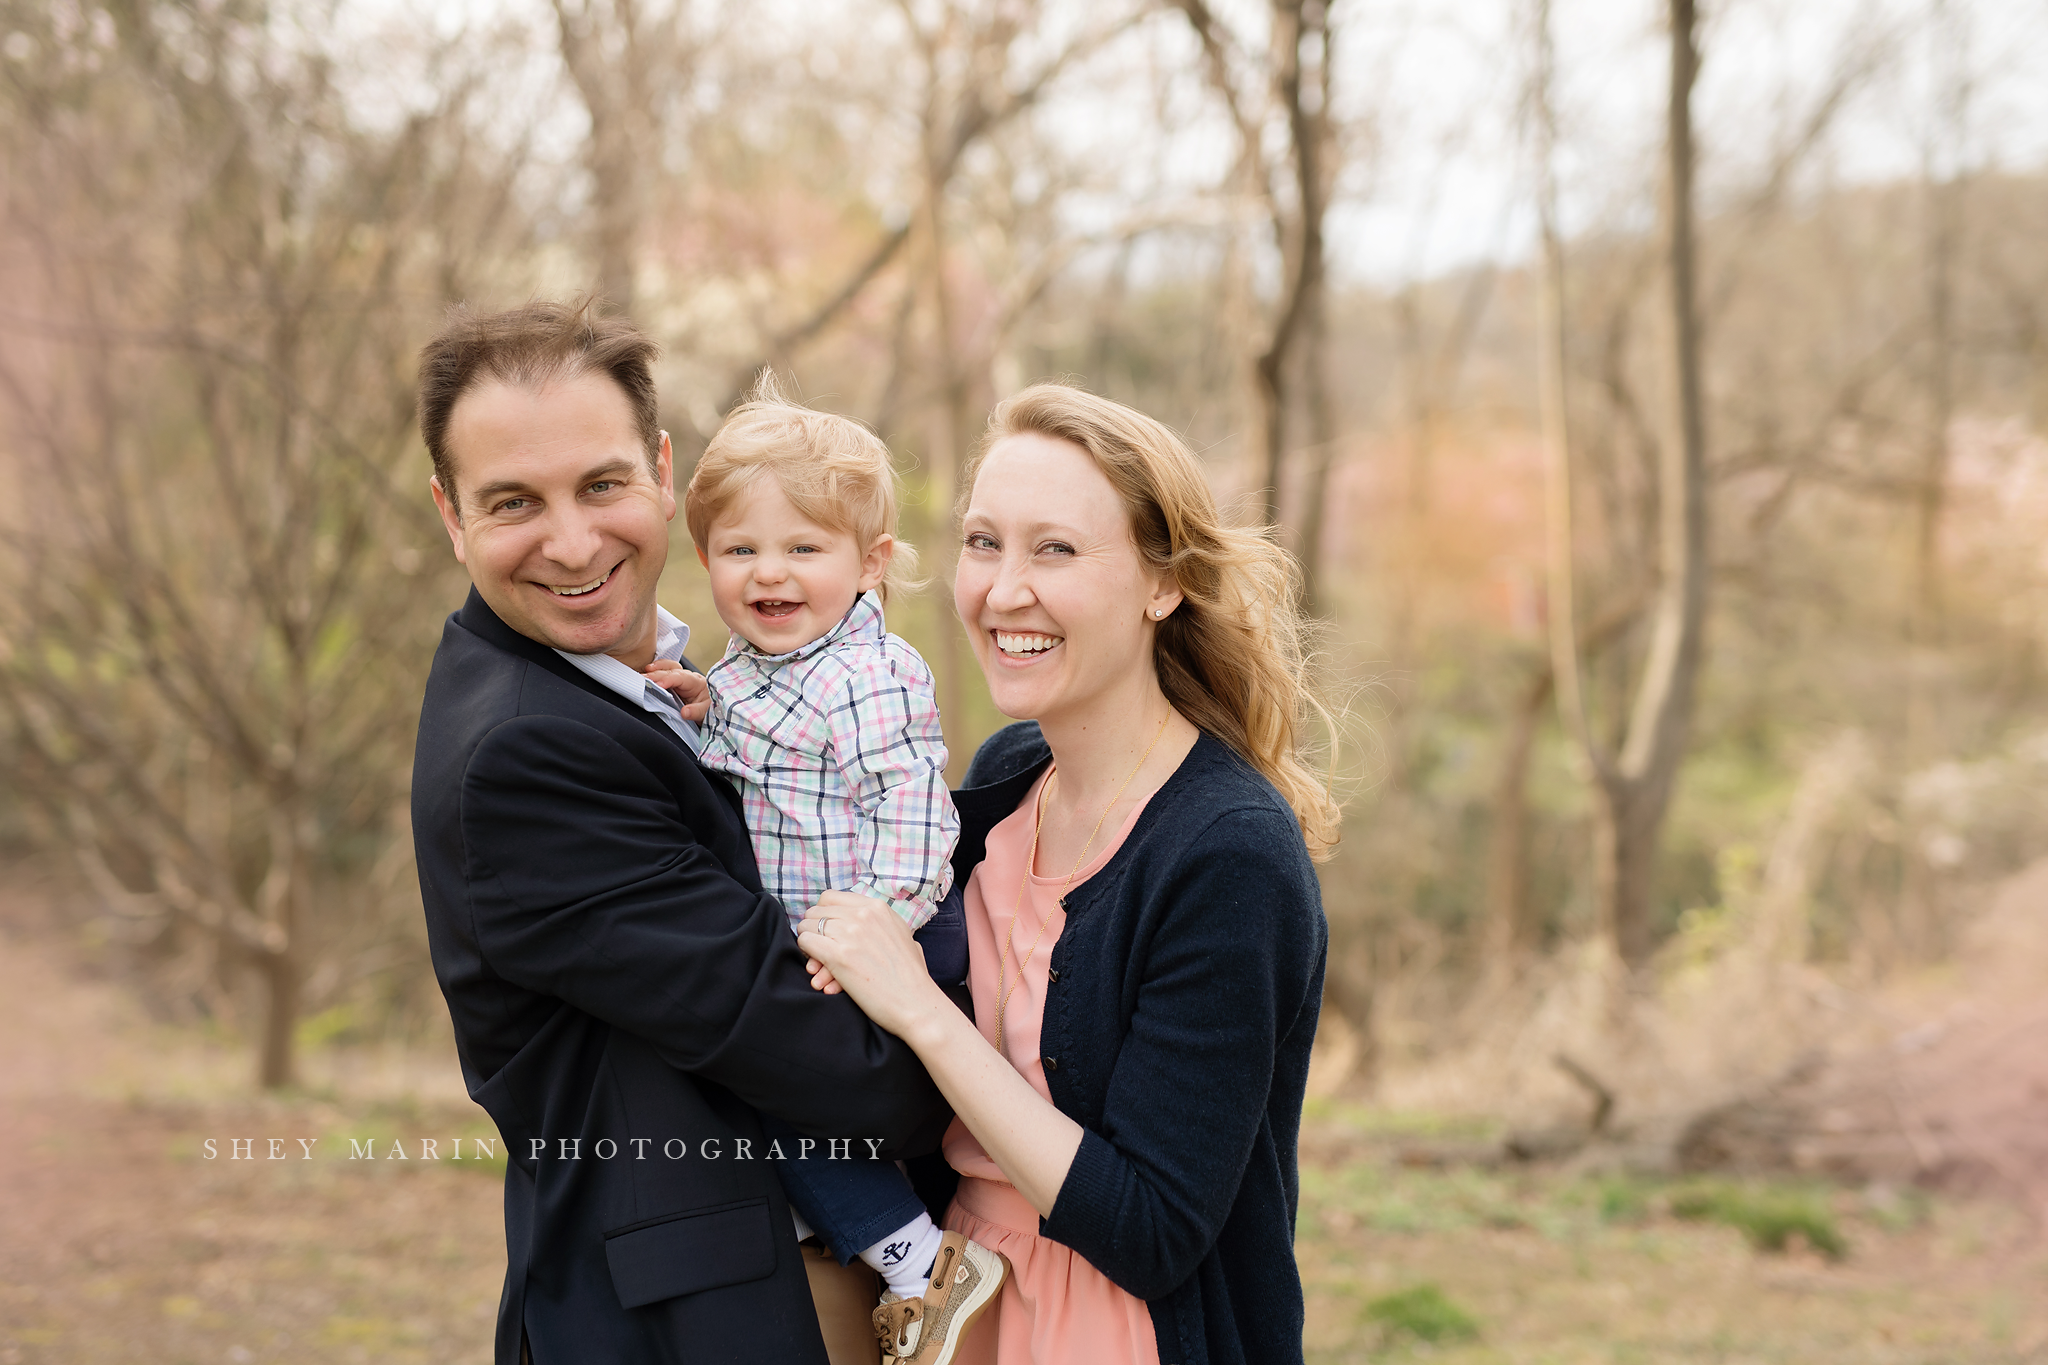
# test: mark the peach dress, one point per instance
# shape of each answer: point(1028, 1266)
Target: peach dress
point(1056, 1308)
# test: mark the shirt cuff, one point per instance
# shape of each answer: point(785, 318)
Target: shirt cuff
point(915, 913)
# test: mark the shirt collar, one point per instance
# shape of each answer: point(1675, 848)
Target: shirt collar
point(863, 621)
point(670, 637)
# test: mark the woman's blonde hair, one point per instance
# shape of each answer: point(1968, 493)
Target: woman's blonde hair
point(1232, 657)
point(833, 470)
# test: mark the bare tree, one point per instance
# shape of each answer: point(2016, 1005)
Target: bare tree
point(981, 69)
point(214, 624)
point(1514, 928)
point(1943, 185)
point(628, 60)
point(1288, 84)
point(1635, 783)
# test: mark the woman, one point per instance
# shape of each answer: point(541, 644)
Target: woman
point(1145, 930)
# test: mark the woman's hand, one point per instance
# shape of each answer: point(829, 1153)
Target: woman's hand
point(866, 948)
point(870, 950)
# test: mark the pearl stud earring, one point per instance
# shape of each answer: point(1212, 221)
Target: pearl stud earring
point(1157, 614)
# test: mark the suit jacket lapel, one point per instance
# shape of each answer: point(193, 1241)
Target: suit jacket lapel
point(478, 619)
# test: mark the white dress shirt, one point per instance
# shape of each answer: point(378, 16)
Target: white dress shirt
point(670, 635)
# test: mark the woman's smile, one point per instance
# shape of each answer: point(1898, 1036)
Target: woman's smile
point(1025, 645)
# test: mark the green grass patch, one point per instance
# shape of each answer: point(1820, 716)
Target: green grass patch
point(1768, 1217)
point(1622, 1200)
point(1896, 1210)
point(1387, 1198)
point(1383, 1125)
point(1423, 1312)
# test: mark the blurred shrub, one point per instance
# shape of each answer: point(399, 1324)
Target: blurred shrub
point(1768, 1218)
point(1423, 1312)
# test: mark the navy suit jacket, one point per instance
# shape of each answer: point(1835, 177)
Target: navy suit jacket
point(615, 972)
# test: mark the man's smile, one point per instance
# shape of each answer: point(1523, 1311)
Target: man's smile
point(582, 589)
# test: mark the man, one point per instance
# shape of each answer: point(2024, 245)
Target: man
point(625, 997)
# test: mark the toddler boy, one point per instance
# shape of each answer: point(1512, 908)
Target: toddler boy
point(829, 727)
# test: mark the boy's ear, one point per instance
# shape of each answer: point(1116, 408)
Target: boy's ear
point(701, 559)
point(874, 565)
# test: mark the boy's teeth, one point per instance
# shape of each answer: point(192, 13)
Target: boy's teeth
point(578, 592)
point(1025, 644)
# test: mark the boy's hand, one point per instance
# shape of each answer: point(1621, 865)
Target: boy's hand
point(686, 687)
point(822, 978)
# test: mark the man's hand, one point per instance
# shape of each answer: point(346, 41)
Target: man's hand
point(686, 687)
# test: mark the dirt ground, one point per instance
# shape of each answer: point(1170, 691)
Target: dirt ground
point(1552, 1267)
point(122, 1240)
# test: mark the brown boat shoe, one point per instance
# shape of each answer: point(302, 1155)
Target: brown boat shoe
point(966, 1277)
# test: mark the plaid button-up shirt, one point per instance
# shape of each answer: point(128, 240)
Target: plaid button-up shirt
point(841, 765)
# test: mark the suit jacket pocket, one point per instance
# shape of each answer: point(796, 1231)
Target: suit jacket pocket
point(683, 1253)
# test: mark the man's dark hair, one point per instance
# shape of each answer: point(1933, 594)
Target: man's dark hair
point(530, 346)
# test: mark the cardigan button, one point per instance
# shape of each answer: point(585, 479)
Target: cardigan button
point(1051, 1063)
point(1052, 973)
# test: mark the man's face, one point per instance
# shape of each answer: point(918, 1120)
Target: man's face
point(561, 525)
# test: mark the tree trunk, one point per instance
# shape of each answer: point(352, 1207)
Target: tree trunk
point(1511, 929)
point(1638, 786)
point(283, 906)
point(1297, 25)
point(946, 440)
point(616, 95)
point(1322, 424)
point(276, 1065)
point(1625, 837)
point(1634, 787)
point(1272, 393)
point(618, 220)
point(1301, 90)
point(1942, 187)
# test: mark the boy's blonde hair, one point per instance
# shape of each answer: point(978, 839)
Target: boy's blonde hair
point(832, 469)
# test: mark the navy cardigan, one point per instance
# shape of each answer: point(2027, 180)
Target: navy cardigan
point(1182, 1002)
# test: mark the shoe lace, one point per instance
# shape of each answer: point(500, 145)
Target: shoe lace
point(892, 1321)
point(942, 1268)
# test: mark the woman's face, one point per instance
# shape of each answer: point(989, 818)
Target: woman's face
point(1050, 585)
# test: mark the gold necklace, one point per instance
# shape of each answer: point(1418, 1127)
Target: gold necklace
point(1024, 883)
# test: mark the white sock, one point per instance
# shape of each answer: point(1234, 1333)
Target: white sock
point(905, 1256)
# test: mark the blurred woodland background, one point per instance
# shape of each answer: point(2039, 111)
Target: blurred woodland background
point(1656, 402)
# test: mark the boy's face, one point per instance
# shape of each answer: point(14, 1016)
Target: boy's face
point(780, 580)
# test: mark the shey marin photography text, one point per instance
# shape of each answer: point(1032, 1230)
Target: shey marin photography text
point(540, 1149)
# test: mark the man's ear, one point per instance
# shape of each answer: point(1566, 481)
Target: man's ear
point(874, 565)
point(665, 475)
point(450, 518)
